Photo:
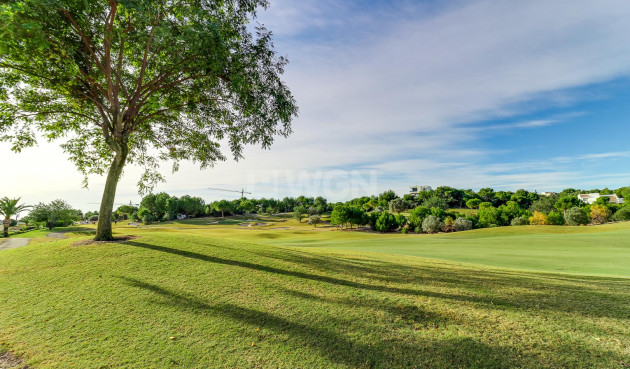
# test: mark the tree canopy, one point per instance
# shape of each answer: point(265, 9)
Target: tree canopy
point(129, 81)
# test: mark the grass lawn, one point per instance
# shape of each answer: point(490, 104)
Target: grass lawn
point(195, 295)
point(594, 250)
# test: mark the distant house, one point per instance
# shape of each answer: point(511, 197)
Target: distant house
point(548, 194)
point(415, 190)
point(590, 198)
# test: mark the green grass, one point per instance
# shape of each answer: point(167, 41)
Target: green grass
point(235, 296)
point(594, 250)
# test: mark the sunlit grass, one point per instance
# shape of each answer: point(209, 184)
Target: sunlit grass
point(224, 296)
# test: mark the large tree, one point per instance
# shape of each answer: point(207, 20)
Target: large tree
point(139, 81)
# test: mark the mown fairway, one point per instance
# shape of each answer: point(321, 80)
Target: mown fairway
point(196, 295)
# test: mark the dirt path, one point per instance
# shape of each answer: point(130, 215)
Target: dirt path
point(12, 243)
point(9, 361)
point(55, 235)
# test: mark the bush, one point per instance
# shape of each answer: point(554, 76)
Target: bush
point(401, 220)
point(622, 214)
point(462, 224)
point(439, 213)
point(545, 205)
point(490, 216)
point(398, 205)
point(315, 220)
point(417, 215)
point(600, 214)
point(556, 218)
point(404, 230)
point(448, 224)
point(539, 219)
point(432, 224)
point(576, 216)
point(146, 216)
point(435, 202)
point(386, 222)
point(520, 221)
point(372, 218)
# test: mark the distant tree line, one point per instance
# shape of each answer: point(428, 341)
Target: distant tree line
point(444, 209)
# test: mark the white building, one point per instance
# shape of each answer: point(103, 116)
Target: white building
point(548, 194)
point(590, 198)
point(415, 190)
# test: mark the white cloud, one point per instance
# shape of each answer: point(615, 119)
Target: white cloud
point(402, 89)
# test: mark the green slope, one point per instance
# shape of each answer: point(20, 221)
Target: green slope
point(601, 250)
point(229, 304)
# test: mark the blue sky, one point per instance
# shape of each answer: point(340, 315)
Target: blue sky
point(507, 94)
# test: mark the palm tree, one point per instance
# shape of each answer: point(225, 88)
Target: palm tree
point(8, 208)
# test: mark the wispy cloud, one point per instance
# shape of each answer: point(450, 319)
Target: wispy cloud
point(411, 89)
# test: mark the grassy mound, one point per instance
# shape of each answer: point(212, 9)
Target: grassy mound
point(178, 298)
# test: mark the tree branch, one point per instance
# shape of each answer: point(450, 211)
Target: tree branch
point(58, 112)
point(162, 111)
point(84, 38)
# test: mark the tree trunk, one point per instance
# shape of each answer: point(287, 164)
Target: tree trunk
point(104, 228)
point(5, 224)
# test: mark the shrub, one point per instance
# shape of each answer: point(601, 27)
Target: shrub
point(567, 202)
point(438, 213)
point(622, 214)
point(576, 216)
point(386, 222)
point(315, 220)
point(474, 219)
point(432, 224)
point(462, 224)
point(448, 224)
point(398, 205)
point(404, 230)
point(511, 210)
point(556, 218)
point(520, 221)
point(435, 202)
point(490, 216)
point(600, 214)
point(539, 219)
point(417, 215)
point(545, 205)
point(146, 216)
point(401, 220)
point(372, 218)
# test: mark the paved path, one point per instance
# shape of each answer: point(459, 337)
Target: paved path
point(12, 243)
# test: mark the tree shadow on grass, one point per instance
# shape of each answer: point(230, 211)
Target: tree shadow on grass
point(591, 295)
point(404, 311)
point(583, 291)
point(337, 347)
point(308, 276)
